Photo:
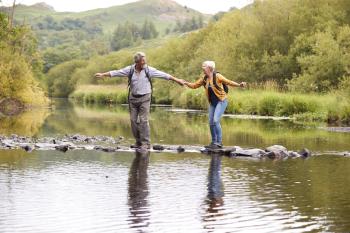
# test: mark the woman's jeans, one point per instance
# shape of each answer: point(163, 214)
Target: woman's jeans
point(215, 114)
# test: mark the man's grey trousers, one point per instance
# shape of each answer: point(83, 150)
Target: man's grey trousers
point(139, 117)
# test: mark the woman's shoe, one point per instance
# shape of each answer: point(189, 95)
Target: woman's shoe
point(213, 146)
point(209, 146)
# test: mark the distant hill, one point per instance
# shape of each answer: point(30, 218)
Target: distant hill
point(163, 13)
point(64, 36)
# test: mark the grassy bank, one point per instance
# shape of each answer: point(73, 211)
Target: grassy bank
point(102, 94)
point(303, 107)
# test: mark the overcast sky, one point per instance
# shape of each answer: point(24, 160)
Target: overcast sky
point(204, 6)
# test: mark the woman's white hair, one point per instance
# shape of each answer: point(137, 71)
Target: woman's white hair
point(210, 64)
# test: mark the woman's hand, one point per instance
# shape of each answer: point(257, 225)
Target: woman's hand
point(243, 84)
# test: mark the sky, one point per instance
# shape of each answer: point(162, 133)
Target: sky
point(204, 6)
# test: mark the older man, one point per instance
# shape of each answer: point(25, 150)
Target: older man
point(139, 79)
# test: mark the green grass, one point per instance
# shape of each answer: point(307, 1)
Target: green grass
point(303, 107)
point(103, 94)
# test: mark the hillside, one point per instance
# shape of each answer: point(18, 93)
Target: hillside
point(63, 36)
point(163, 13)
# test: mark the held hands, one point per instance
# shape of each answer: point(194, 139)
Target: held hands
point(243, 84)
point(178, 81)
point(181, 82)
point(186, 83)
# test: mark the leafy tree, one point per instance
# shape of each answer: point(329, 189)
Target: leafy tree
point(19, 63)
point(59, 78)
point(129, 34)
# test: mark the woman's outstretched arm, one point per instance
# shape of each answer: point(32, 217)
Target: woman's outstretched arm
point(232, 83)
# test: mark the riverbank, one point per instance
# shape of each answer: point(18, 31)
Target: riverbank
point(329, 108)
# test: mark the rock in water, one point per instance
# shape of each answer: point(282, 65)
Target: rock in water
point(305, 153)
point(62, 148)
point(158, 147)
point(180, 149)
point(276, 151)
point(255, 153)
point(294, 154)
point(27, 148)
point(276, 148)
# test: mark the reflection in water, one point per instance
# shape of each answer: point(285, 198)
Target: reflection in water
point(189, 128)
point(214, 201)
point(27, 123)
point(48, 191)
point(138, 191)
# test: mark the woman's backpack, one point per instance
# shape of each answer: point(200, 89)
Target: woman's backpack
point(224, 86)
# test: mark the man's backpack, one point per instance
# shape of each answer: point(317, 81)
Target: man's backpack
point(131, 72)
point(224, 86)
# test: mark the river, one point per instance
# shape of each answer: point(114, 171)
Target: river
point(91, 191)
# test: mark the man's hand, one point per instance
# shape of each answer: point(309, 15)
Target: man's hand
point(243, 84)
point(186, 83)
point(177, 80)
point(99, 75)
point(181, 82)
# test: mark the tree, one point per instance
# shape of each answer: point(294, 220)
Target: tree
point(19, 62)
point(59, 78)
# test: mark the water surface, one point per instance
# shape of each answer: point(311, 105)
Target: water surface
point(89, 191)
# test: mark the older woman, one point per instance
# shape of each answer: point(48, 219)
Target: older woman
point(214, 84)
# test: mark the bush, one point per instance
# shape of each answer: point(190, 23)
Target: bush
point(269, 105)
point(297, 104)
point(59, 79)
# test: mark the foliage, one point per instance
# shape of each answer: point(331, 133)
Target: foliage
point(67, 36)
point(19, 63)
point(130, 34)
point(59, 79)
point(103, 94)
point(189, 24)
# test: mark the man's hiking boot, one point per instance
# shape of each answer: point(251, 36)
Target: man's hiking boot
point(144, 147)
point(135, 146)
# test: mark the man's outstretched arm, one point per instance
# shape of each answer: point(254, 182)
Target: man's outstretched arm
point(162, 75)
point(114, 73)
point(102, 75)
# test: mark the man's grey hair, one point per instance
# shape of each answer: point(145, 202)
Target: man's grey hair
point(210, 64)
point(138, 56)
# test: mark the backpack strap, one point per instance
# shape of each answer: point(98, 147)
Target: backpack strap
point(149, 77)
point(214, 81)
point(131, 72)
point(205, 80)
point(224, 86)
